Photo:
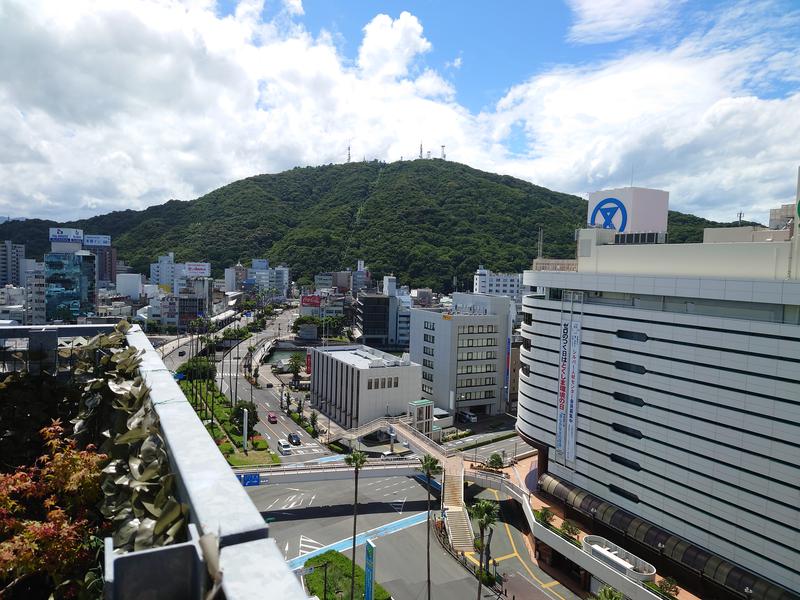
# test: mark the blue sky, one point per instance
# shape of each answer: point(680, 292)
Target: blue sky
point(149, 100)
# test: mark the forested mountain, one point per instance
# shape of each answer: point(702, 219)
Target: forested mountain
point(423, 220)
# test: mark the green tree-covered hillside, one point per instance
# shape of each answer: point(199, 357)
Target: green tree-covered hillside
point(426, 221)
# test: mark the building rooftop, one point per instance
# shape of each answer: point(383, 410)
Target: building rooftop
point(364, 357)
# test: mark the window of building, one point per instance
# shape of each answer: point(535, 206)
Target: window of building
point(628, 399)
point(427, 376)
point(480, 328)
point(396, 382)
point(631, 464)
point(630, 367)
point(426, 362)
point(624, 493)
point(383, 382)
point(426, 389)
point(388, 382)
point(427, 350)
point(429, 325)
point(369, 384)
point(471, 329)
point(429, 338)
point(627, 430)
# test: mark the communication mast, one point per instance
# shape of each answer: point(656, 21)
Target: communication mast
point(739, 216)
point(420, 149)
point(444, 156)
point(348, 153)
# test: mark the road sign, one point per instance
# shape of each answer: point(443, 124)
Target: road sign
point(180, 376)
point(369, 571)
point(304, 571)
point(248, 314)
point(249, 479)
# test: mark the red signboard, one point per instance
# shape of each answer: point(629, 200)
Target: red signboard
point(308, 362)
point(313, 301)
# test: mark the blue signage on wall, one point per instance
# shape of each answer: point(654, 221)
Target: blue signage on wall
point(609, 209)
point(369, 570)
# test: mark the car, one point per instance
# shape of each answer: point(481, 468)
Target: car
point(272, 417)
point(269, 385)
point(182, 353)
point(284, 447)
point(295, 439)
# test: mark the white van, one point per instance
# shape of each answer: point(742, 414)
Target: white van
point(467, 417)
point(284, 447)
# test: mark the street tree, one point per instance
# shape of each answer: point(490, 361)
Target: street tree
point(296, 363)
point(495, 461)
point(485, 513)
point(430, 467)
point(312, 420)
point(355, 459)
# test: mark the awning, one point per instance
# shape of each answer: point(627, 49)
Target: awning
point(679, 550)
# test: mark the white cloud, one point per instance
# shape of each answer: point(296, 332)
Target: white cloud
point(294, 7)
point(610, 20)
point(106, 105)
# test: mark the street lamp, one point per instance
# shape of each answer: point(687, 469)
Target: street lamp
point(661, 548)
point(748, 591)
point(594, 514)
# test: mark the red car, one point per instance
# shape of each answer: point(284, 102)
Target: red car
point(272, 417)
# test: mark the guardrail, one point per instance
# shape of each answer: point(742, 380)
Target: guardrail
point(399, 463)
point(630, 588)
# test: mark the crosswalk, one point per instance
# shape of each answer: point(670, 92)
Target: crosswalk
point(399, 504)
point(308, 545)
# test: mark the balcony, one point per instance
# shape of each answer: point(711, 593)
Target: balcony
point(554, 264)
point(226, 535)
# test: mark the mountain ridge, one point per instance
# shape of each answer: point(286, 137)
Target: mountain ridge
point(426, 221)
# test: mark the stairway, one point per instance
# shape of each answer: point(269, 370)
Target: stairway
point(459, 526)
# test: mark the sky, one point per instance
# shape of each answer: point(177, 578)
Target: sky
point(114, 104)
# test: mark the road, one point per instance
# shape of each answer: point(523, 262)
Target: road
point(310, 517)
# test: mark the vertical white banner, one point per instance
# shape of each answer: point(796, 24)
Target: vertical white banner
point(562, 393)
point(572, 391)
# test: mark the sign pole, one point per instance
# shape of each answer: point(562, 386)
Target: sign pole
point(244, 431)
point(369, 570)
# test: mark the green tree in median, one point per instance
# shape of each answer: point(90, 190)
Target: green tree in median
point(355, 459)
point(431, 468)
point(495, 461)
point(237, 417)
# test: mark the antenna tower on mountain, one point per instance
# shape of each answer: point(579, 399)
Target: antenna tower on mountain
point(739, 216)
point(444, 156)
point(420, 149)
point(348, 153)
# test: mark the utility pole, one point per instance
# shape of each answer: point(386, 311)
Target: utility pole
point(540, 246)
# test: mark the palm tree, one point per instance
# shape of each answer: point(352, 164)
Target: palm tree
point(430, 467)
point(355, 459)
point(485, 512)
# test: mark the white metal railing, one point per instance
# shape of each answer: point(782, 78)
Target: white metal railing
point(398, 463)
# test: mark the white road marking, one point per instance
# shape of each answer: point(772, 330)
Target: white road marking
point(312, 499)
point(308, 545)
point(271, 505)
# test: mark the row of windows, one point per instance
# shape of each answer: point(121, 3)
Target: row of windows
point(478, 355)
point(475, 382)
point(429, 325)
point(427, 350)
point(469, 343)
point(476, 395)
point(427, 362)
point(427, 376)
point(477, 329)
point(376, 383)
point(487, 368)
point(429, 338)
point(426, 389)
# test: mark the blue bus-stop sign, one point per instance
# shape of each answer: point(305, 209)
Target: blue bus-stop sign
point(249, 479)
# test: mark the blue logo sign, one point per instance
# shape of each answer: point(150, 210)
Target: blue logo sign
point(608, 209)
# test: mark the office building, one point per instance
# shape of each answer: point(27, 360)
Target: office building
point(464, 352)
point(498, 284)
point(234, 277)
point(11, 256)
point(383, 319)
point(100, 246)
point(274, 282)
point(130, 285)
point(659, 384)
point(70, 285)
point(354, 385)
point(360, 279)
point(35, 294)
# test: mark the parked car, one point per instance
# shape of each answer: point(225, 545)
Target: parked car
point(181, 352)
point(269, 385)
point(272, 417)
point(295, 439)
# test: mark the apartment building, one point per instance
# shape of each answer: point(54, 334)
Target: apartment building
point(659, 383)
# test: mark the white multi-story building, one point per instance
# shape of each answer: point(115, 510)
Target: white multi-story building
point(498, 284)
point(129, 284)
point(464, 352)
point(35, 294)
point(163, 272)
point(272, 280)
point(173, 276)
point(660, 385)
point(354, 385)
point(11, 257)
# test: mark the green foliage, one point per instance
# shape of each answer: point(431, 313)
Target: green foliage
point(546, 515)
point(495, 461)
point(297, 363)
point(569, 528)
point(329, 326)
point(609, 593)
point(237, 417)
point(339, 567)
point(668, 586)
point(423, 220)
point(198, 367)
